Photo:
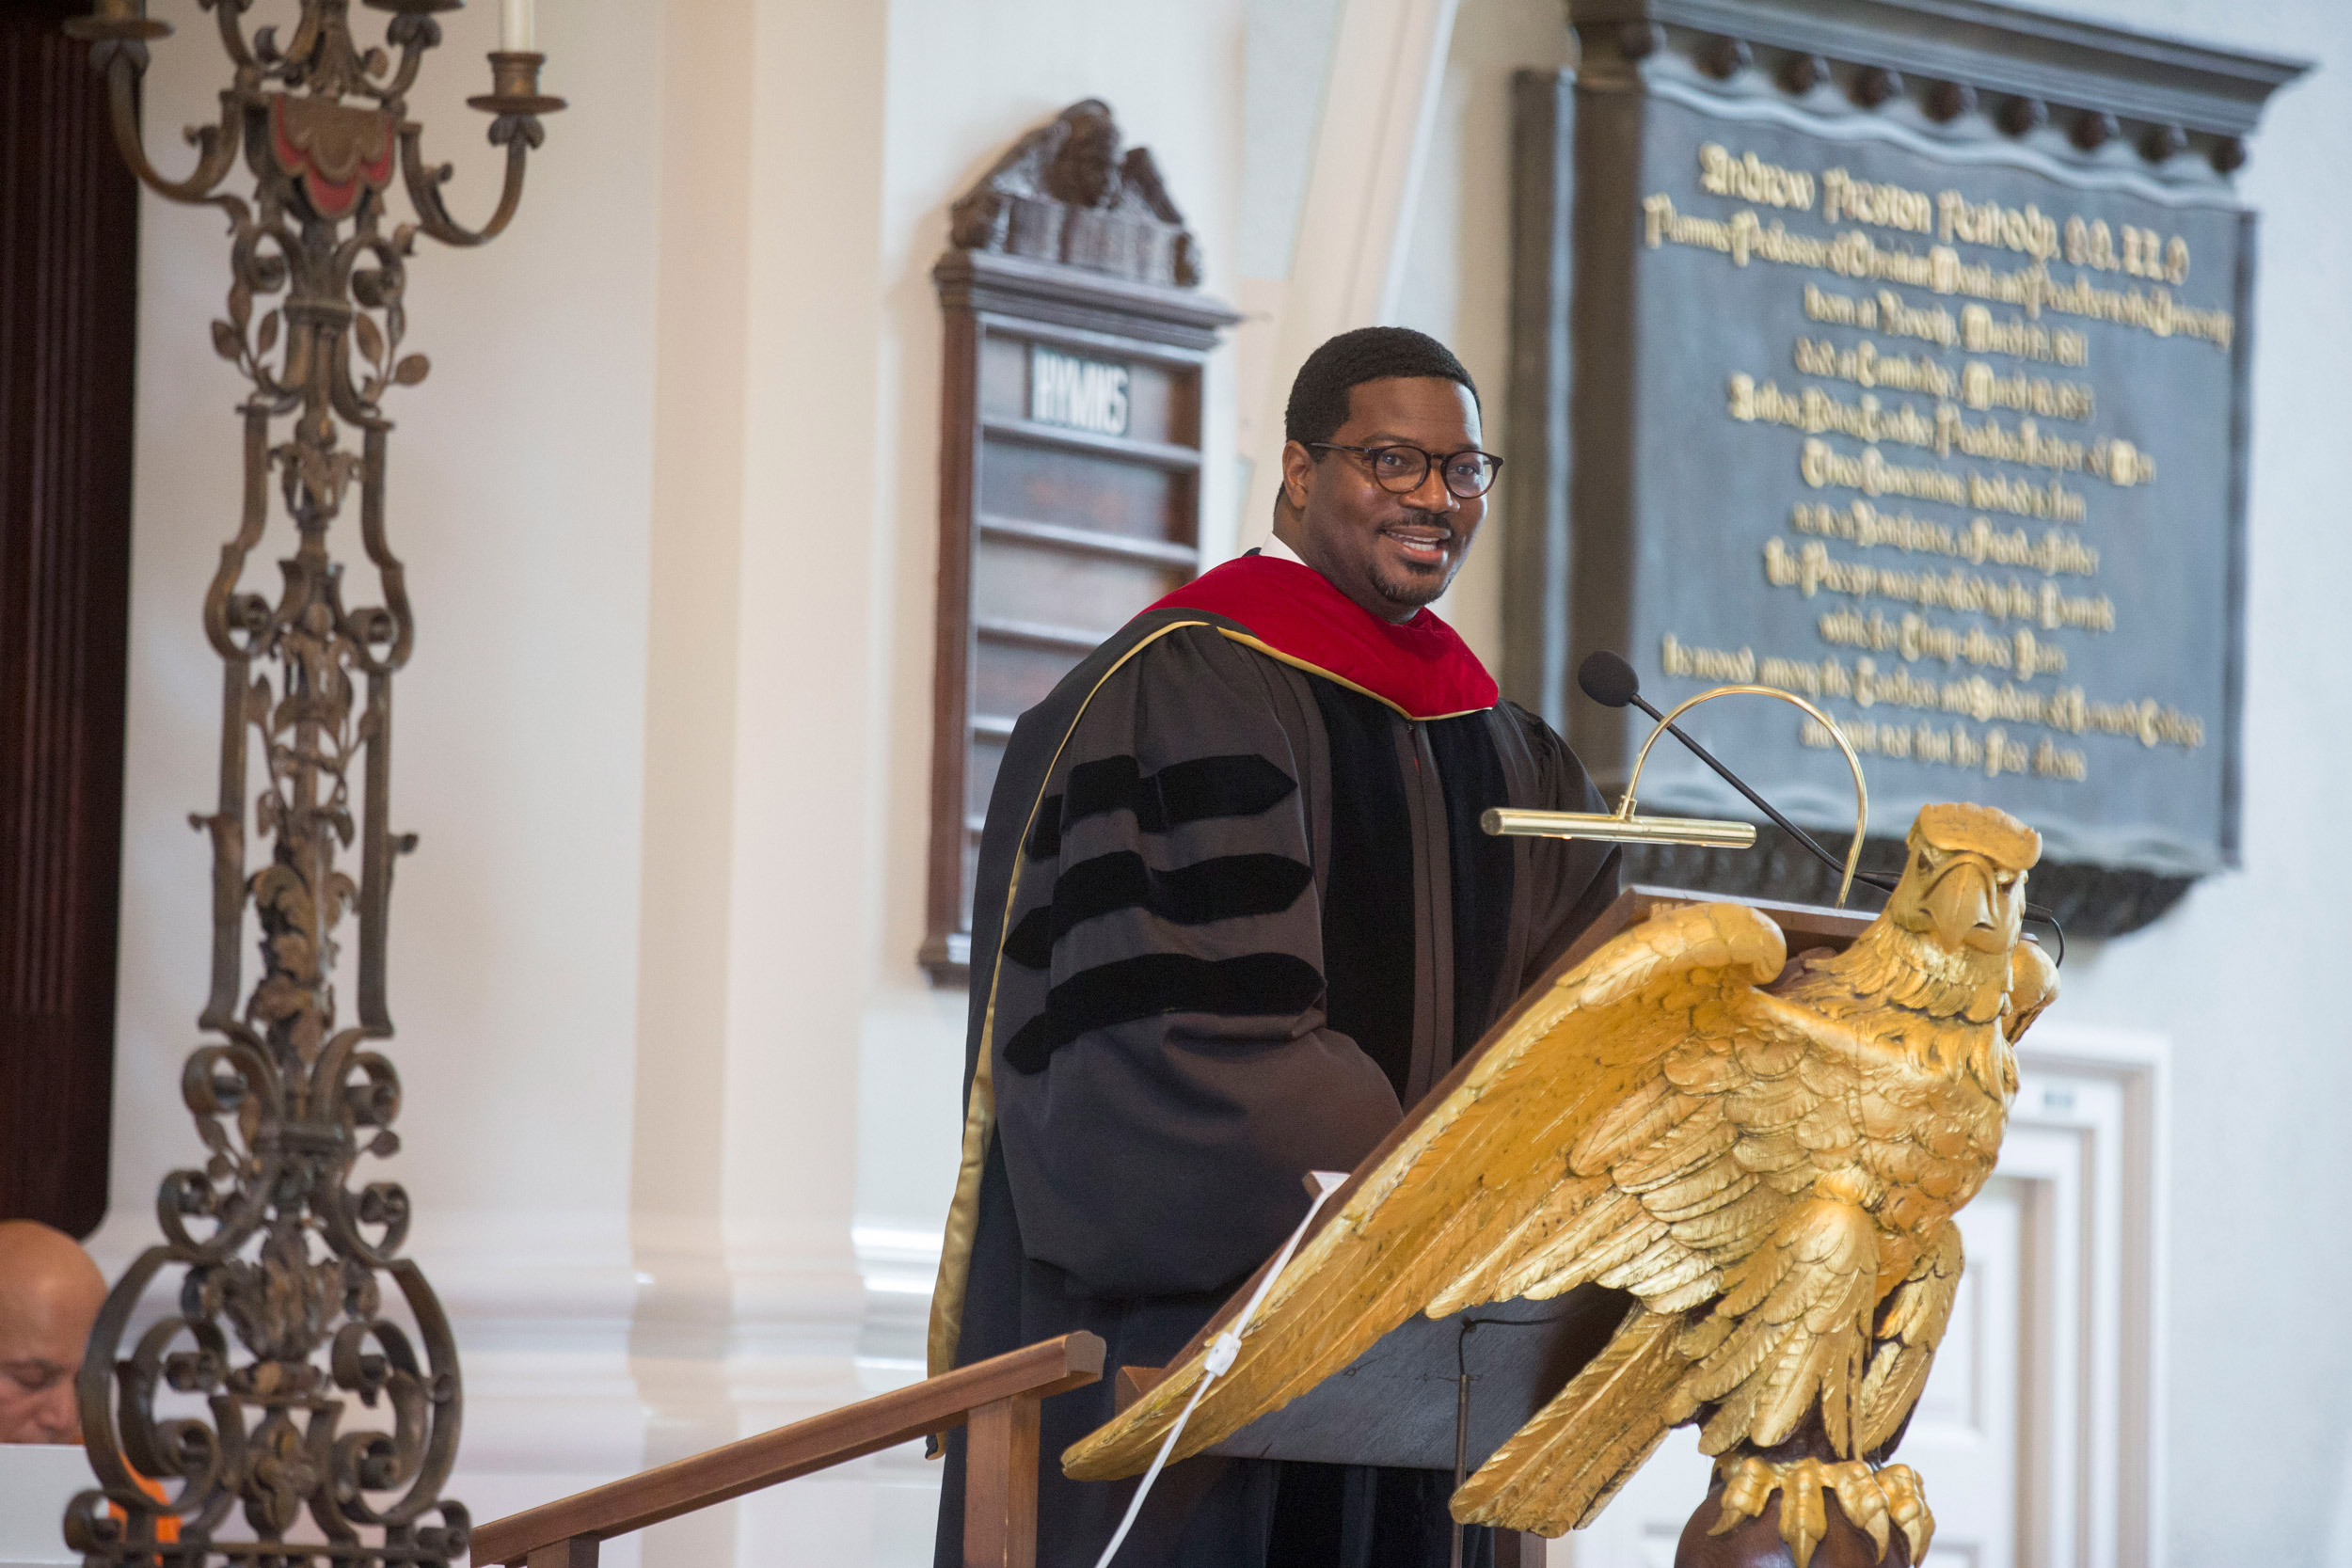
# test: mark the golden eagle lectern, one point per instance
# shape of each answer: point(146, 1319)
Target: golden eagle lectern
point(1766, 1153)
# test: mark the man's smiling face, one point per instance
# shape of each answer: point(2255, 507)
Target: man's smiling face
point(1389, 553)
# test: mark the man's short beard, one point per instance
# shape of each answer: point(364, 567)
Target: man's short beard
point(1413, 592)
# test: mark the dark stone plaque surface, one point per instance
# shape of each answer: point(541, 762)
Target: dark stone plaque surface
point(1922, 406)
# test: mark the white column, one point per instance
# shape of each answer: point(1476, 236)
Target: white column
point(1379, 105)
point(760, 768)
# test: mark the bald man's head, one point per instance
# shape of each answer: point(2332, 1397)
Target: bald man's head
point(50, 1294)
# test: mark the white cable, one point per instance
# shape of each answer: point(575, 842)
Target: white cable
point(1222, 1350)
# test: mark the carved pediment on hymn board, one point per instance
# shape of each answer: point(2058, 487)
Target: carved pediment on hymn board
point(1064, 194)
point(1073, 441)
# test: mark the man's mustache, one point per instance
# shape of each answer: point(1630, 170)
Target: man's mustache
point(1414, 518)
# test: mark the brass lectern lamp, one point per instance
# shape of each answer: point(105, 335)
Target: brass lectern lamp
point(1729, 1172)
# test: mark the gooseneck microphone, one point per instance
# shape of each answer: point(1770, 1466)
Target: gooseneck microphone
point(1610, 681)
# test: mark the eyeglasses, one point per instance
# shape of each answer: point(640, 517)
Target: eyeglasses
point(1401, 470)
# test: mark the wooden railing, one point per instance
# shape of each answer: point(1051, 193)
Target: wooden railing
point(997, 1399)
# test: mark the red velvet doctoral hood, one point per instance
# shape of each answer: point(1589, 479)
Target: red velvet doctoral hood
point(1421, 668)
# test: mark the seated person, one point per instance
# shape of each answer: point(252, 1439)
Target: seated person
point(50, 1294)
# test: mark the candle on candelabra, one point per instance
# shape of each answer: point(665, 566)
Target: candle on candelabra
point(515, 29)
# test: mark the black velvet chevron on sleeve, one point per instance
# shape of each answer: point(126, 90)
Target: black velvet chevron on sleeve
point(1217, 887)
point(1183, 792)
point(1149, 984)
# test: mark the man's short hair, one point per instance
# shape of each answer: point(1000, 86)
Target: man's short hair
point(1318, 404)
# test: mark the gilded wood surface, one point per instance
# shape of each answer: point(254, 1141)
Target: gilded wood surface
point(1766, 1153)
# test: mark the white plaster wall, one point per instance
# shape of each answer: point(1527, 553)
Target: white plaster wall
point(2240, 978)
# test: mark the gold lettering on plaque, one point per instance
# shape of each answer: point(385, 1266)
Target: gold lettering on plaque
point(1932, 322)
point(1707, 664)
point(1867, 365)
point(2121, 463)
point(1980, 334)
point(1979, 543)
point(1963, 651)
point(1888, 206)
point(1811, 569)
point(1917, 638)
point(1746, 237)
point(2144, 253)
point(2027, 228)
point(1751, 179)
point(1816, 411)
point(1844, 309)
point(1982, 387)
point(1822, 464)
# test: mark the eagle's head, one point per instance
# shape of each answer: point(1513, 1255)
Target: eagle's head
point(1944, 953)
point(1963, 888)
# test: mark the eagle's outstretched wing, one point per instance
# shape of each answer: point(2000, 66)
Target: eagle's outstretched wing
point(1696, 1113)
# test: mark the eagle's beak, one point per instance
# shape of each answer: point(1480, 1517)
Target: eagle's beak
point(1962, 907)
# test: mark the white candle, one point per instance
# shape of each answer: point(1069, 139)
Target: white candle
point(514, 27)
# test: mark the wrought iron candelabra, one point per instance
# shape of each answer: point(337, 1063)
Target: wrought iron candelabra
point(282, 1317)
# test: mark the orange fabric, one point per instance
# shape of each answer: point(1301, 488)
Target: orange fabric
point(166, 1528)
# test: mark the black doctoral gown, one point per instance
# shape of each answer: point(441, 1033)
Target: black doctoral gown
point(1235, 911)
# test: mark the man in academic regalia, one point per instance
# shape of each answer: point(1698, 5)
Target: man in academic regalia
point(1235, 914)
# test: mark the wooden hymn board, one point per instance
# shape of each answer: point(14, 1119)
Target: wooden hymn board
point(1895, 354)
point(1069, 452)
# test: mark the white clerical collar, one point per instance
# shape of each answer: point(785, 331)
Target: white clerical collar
point(1274, 549)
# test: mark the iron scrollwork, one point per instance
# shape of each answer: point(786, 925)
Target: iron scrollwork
point(238, 1400)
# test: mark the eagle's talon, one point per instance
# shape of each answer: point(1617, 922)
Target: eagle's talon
point(1748, 1485)
point(1877, 1502)
point(1907, 1504)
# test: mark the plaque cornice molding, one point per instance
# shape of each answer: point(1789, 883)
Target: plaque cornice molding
point(1983, 150)
point(1995, 47)
point(1080, 298)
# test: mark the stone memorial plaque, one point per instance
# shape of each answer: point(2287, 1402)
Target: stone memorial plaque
point(1915, 402)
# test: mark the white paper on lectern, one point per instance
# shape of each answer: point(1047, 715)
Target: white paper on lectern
point(37, 1480)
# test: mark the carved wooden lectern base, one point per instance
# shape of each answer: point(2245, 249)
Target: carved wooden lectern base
point(1757, 1543)
point(1837, 1539)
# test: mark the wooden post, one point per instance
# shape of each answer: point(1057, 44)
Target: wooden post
point(1000, 1485)
point(1516, 1549)
point(579, 1551)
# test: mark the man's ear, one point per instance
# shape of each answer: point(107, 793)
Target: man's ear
point(1298, 474)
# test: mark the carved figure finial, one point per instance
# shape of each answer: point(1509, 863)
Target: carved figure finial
point(1063, 194)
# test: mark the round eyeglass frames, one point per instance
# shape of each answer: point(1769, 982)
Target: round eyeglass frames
point(1402, 469)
